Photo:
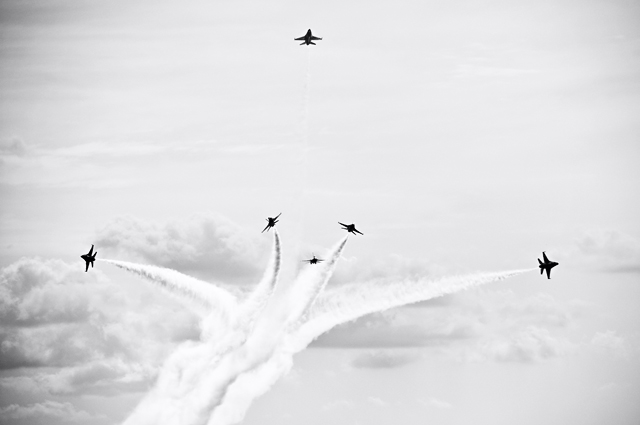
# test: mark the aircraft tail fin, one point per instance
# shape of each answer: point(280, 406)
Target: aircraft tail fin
point(302, 43)
point(539, 262)
point(311, 42)
point(541, 270)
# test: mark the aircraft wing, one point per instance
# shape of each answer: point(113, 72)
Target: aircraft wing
point(90, 251)
point(315, 38)
point(299, 38)
point(358, 231)
point(266, 228)
point(342, 224)
point(544, 257)
point(276, 217)
point(548, 273)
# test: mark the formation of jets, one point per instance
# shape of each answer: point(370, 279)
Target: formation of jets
point(307, 39)
point(89, 258)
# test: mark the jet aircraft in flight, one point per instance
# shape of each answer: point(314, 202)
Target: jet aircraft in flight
point(546, 265)
point(314, 260)
point(271, 222)
point(89, 258)
point(351, 228)
point(308, 37)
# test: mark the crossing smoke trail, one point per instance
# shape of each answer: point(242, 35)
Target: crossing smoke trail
point(339, 306)
point(195, 380)
point(190, 378)
point(264, 343)
point(310, 284)
point(246, 387)
point(214, 380)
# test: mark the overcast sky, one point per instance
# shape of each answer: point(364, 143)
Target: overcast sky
point(458, 136)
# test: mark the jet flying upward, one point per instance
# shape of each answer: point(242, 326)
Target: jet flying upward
point(308, 37)
point(546, 265)
point(271, 222)
point(89, 258)
point(314, 260)
point(351, 228)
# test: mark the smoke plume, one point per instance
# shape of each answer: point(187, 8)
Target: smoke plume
point(215, 379)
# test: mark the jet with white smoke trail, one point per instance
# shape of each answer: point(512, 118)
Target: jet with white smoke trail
point(214, 380)
point(194, 380)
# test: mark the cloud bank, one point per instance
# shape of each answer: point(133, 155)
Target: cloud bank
point(206, 246)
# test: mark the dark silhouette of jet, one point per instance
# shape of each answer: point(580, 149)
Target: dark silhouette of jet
point(271, 222)
point(314, 260)
point(89, 258)
point(547, 265)
point(351, 228)
point(308, 37)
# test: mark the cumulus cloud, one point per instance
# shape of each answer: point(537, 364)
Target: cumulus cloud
point(394, 328)
point(47, 412)
point(35, 292)
point(73, 332)
point(13, 146)
point(390, 268)
point(439, 404)
point(610, 250)
point(382, 359)
point(610, 342)
point(338, 405)
point(377, 401)
point(527, 346)
point(207, 246)
point(474, 326)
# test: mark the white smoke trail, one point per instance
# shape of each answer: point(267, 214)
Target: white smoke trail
point(269, 337)
point(207, 295)
point(296, 206)
point(349, 302)
point(341, 305)
point(214, 381)
point(194, 382)
point(256, 302)
point(310, 283)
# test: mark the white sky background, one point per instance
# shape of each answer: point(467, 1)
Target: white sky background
point(457, 135)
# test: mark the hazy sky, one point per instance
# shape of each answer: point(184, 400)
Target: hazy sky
point(458, 136)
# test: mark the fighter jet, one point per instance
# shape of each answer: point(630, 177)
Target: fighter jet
point(307, 38)
point(271, 222)
point(314, 260)
point(89, 258)
point(547, 265)
point(351, 228)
